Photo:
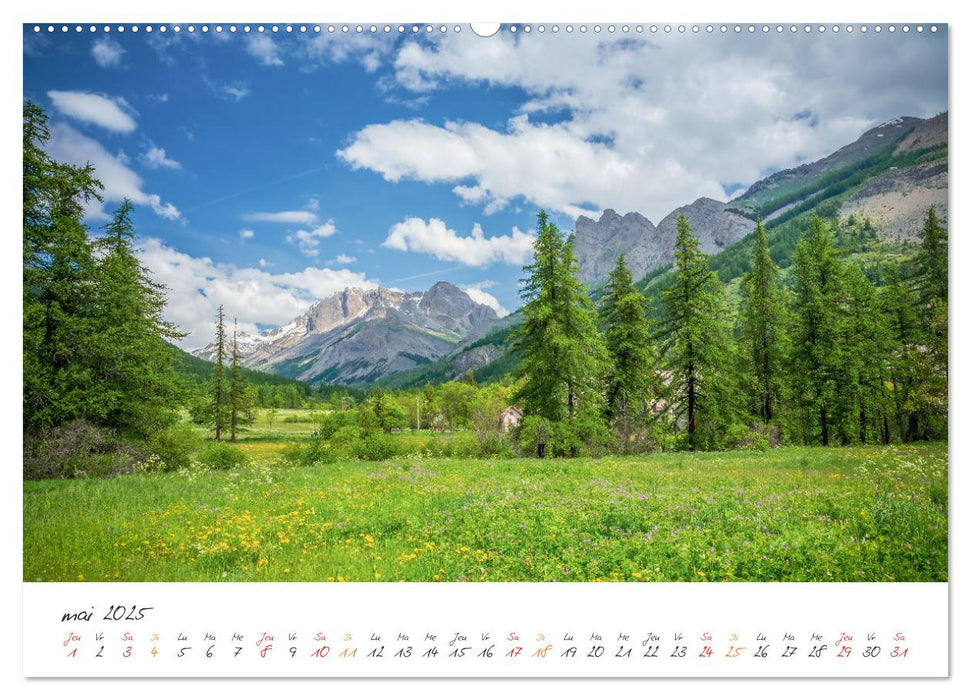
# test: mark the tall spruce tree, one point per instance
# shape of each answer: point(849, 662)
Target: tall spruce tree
point(58, 282)
point(931, 261)
point(900, 309)
point(542, 391)
point(218, 386)
point(561, 349)
point(863, 401)
point(764, 320)
point(932, 287)
point(820, 311)
point(585, 354)
point(631, 355)
point(137, 388)
point(696, 344)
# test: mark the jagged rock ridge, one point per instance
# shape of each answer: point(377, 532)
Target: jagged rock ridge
point(361, 335)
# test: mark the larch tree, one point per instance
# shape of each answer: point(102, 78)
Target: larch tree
point(137, 390)
point(561, 348)
point(696, 344)
point(864, 372)
point(932, 288)
point(764, 320)
point(218, 386)
point(819, 311)
point(58, 281)
point(932, 279)
point(899, 304)
point(631, 376)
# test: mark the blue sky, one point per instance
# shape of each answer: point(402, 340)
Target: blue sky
point(269, 170)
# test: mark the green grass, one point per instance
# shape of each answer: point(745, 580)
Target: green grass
point(792, 514)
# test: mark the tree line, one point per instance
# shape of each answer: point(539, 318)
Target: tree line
point(816, 354)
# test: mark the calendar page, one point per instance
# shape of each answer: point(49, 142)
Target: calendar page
point(384, 349)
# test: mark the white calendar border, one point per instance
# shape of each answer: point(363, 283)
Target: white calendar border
point(402, 630)
point(386, 10)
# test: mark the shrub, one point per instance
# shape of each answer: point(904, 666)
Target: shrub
point(565, 440)
point(461, 445)
point(293, 453)
point(176, 446)
point(493, 443)
point(222, 455)
point(78, 449)
point(152, 465)
point(465, 445)
point(346, 436)
point(329, 423)
point(585, 436)
point(317, 451)
point(595, 437)
point(438, 447)
point(756, 437)
point(535, 433)
point(375, 448)
point(200, 412)
point(368, 421)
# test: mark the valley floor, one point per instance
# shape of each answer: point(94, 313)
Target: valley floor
point(791, 514)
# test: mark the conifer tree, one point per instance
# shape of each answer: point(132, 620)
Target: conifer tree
point(218, 389)
point(585, 354)
point(863, 400)
point(931, 284)
point(630, 351)
point(900, 309)
point(137, 389)
point(819, 310)
point(764, 319)
point(561, 348)
point(58, 281)
point(696, 344)
point(932, 260)
point(558, 339)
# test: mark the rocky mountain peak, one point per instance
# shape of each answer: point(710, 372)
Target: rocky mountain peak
point(360, 334)
point(646, 246)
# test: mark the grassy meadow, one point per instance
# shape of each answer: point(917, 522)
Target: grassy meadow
point(788, 514)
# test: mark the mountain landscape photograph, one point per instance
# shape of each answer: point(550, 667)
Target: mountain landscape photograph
point(566, 303)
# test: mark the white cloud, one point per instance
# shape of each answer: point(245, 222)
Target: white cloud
point(477, 294)
point(547, 164)
point(155, 158)
point(246, 233)
point(309, 241)
point(234, 91)
point(119, 180)
point(647, 125)
point(265, 263)
point(110, 113)
point(107, 53)
point(342, 259)
point(367, 49)
point(476, 250)
point(264, 49)
point(282, 217)
point(197, 286)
